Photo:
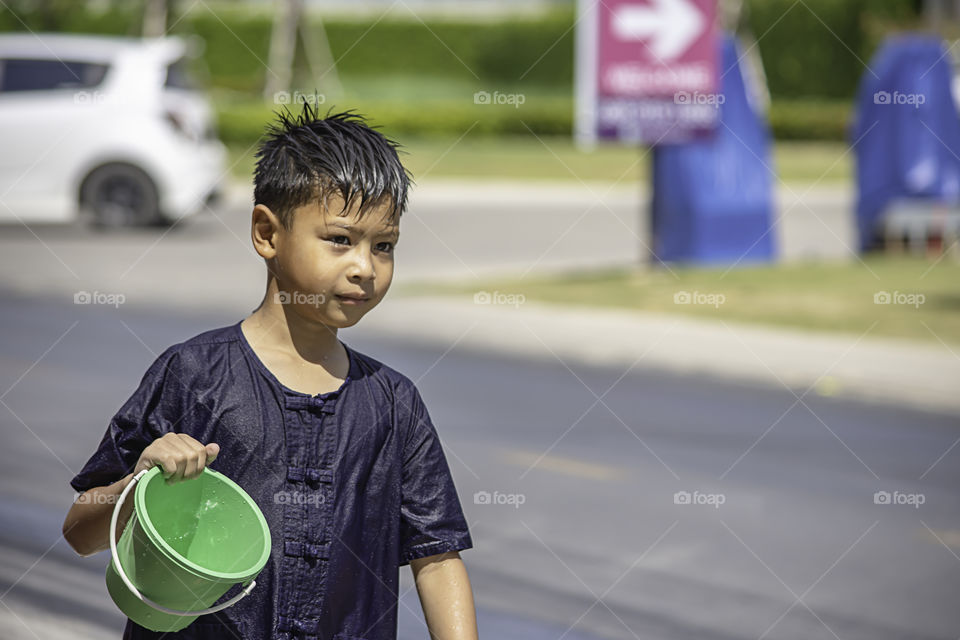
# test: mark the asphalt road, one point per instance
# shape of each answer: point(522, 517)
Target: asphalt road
point(582, 536)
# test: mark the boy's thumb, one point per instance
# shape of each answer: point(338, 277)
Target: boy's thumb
point(213, 450)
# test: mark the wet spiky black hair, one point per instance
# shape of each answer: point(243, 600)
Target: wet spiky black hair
point(307, 157)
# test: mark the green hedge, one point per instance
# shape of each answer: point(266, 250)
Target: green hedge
point(518, 50)
point(820, 48)
point(67, 15)
point(242, 123)
point(810, 119)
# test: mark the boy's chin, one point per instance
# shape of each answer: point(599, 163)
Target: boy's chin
point(344, 320)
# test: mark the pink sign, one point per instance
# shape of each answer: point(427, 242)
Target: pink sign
point(652, 67)
point(657, 47)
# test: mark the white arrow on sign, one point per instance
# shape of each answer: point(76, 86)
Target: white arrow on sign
point(670, 25)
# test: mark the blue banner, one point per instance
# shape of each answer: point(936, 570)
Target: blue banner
point(713, 199)
point(907, 134)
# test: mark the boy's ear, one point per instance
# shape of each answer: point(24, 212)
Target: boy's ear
point(264, 228)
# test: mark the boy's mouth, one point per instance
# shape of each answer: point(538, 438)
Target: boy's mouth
point(352, 299)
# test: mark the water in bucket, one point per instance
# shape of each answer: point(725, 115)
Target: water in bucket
point(186, 544)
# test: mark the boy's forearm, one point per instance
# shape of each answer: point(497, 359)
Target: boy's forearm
point(85, 527)
point(446, 597)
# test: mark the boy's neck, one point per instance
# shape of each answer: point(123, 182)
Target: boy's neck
point(281, 328)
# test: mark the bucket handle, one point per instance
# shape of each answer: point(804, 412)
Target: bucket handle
point(123, 576)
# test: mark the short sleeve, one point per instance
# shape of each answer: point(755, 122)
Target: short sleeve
point(150, 412)
point(431, 518)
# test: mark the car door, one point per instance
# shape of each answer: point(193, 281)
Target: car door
point(43, 105)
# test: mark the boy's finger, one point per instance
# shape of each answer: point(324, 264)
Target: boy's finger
point(193, 464)
point(213, 450)
point(181, 453)
point(200, 459)
point(168, 466)
point(175, 475)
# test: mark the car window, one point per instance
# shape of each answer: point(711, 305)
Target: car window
point(179, 76)
point(44, 75)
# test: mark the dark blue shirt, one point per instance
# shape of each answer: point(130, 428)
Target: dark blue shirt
point(353, 483)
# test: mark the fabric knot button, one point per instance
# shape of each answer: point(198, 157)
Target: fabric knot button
point(309, 475)
point(314, 404)
point(302, 626)
point(306, 550)
point(316, 476)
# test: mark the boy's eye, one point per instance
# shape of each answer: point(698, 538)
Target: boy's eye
point(344, 241)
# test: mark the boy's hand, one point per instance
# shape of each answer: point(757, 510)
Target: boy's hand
point(180, 457)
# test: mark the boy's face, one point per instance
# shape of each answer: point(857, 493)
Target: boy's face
point(332, 267)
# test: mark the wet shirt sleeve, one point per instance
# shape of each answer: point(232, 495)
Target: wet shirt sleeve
point(431, 518)
point(153, 410)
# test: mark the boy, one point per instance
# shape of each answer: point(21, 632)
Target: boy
point(337, 449)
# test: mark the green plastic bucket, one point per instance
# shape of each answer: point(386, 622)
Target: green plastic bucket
point(184, 546)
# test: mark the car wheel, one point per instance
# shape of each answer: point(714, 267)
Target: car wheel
point(120, 195)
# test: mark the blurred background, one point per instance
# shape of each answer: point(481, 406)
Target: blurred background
point(692, 388)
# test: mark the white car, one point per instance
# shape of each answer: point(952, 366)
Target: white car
point(103, 129)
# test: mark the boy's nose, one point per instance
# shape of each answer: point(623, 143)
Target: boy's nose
point(361, 267)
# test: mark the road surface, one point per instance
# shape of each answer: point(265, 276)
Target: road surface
point(603, 504)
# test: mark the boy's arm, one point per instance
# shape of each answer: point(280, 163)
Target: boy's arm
point(86, 524)
point(445, 596)
point(181, 458)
